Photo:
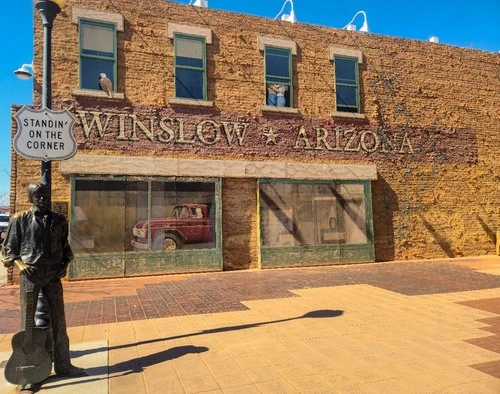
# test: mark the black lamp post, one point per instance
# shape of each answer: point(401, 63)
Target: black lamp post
point(48, 10)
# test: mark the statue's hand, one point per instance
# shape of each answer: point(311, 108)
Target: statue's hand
point(26, 269)
point(62, 270)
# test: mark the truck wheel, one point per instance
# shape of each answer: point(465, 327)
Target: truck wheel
point(166, 242)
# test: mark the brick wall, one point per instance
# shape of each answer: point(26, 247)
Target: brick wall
point(438, 207)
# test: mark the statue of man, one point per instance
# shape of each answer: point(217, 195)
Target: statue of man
point(37, 242)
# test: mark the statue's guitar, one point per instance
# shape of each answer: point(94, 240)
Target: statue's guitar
point(30, 362)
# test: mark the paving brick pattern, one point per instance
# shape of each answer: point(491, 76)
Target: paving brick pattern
point(104, 301)
point(491, 342)
point(402, 327)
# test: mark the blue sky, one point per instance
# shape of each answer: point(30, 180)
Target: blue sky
point(470, 24)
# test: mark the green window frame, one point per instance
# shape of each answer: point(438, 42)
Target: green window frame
point(111, 225)
point(278, 70)
point(190, 67)
point(307, 222)
point(346, 84)
point(98, 53)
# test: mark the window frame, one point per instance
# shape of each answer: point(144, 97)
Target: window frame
point(339, 107)
point(203, 69)
point(290, 73)
point(348, 52)
point(324, 253)
point(81, 55)
point(125, 263)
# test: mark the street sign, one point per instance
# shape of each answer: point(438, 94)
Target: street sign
point(43, 134)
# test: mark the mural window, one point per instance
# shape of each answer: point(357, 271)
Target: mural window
point(97, 53)
point(190, 67)
point(346, 84)
point(131, 215)
point(278, 66)
point(312, 213)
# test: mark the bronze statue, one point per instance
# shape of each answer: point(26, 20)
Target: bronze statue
point(37, 243)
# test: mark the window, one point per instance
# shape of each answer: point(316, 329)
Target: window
point(130, 215)
point(190, 63)
point(127, 226)
point(278, 66)
point(97, 53)
point(346, 84)
point(313, 213)
point(190, 67)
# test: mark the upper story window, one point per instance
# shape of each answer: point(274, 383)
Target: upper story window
point(190, 67)
point(346, 70)
point(97, 54)
point(346, 84)
point(278, 64)
point(278, 74)
point(190, 64)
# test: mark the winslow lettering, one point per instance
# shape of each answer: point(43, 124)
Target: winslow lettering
point(164, 130)
point(171, 130)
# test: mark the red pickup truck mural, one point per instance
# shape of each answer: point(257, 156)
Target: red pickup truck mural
point(188, 224)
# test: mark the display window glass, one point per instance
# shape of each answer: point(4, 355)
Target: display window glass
point(312, 213)
point(131, 215)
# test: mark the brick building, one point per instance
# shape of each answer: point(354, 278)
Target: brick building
point(303, 144)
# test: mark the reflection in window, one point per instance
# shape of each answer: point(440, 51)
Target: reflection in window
point(97, 53)
point(112, 215)
point(295, 214)
point(190, 67)
point(278, 76)
point(346, 84)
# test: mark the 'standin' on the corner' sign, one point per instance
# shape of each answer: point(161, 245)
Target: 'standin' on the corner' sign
point(44, 134)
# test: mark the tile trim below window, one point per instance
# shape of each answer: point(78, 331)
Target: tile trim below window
point(282, 110)
point(277, 42)
point(190, 102)
point(96, 94)
point(77, 13)
point(204, 32)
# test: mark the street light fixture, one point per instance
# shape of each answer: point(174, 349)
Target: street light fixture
point(287, 17)
point(351, 26)
point(200, 3)
point(24, 72)
point(48, 10)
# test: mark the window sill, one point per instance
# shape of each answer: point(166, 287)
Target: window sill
point(280, 110)
point(190, 102)
point(96, 94)
point(348, 115)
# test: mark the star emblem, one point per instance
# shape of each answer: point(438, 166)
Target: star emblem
point(270, 135)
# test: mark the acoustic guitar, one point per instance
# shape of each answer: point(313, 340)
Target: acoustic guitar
point(30, 362)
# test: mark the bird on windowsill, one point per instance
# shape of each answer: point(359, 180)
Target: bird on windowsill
point(105, 84)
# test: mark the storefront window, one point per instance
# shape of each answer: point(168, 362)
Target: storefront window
point(129, 215)
point(301, 214)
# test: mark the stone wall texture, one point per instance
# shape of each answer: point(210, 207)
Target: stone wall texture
point(446, 204)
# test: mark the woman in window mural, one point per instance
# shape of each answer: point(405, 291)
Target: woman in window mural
point(280, 95)
point(276, 94)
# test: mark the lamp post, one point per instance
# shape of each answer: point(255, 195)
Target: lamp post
point(48, 10)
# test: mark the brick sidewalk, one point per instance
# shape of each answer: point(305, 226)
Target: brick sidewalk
point(453, 306)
